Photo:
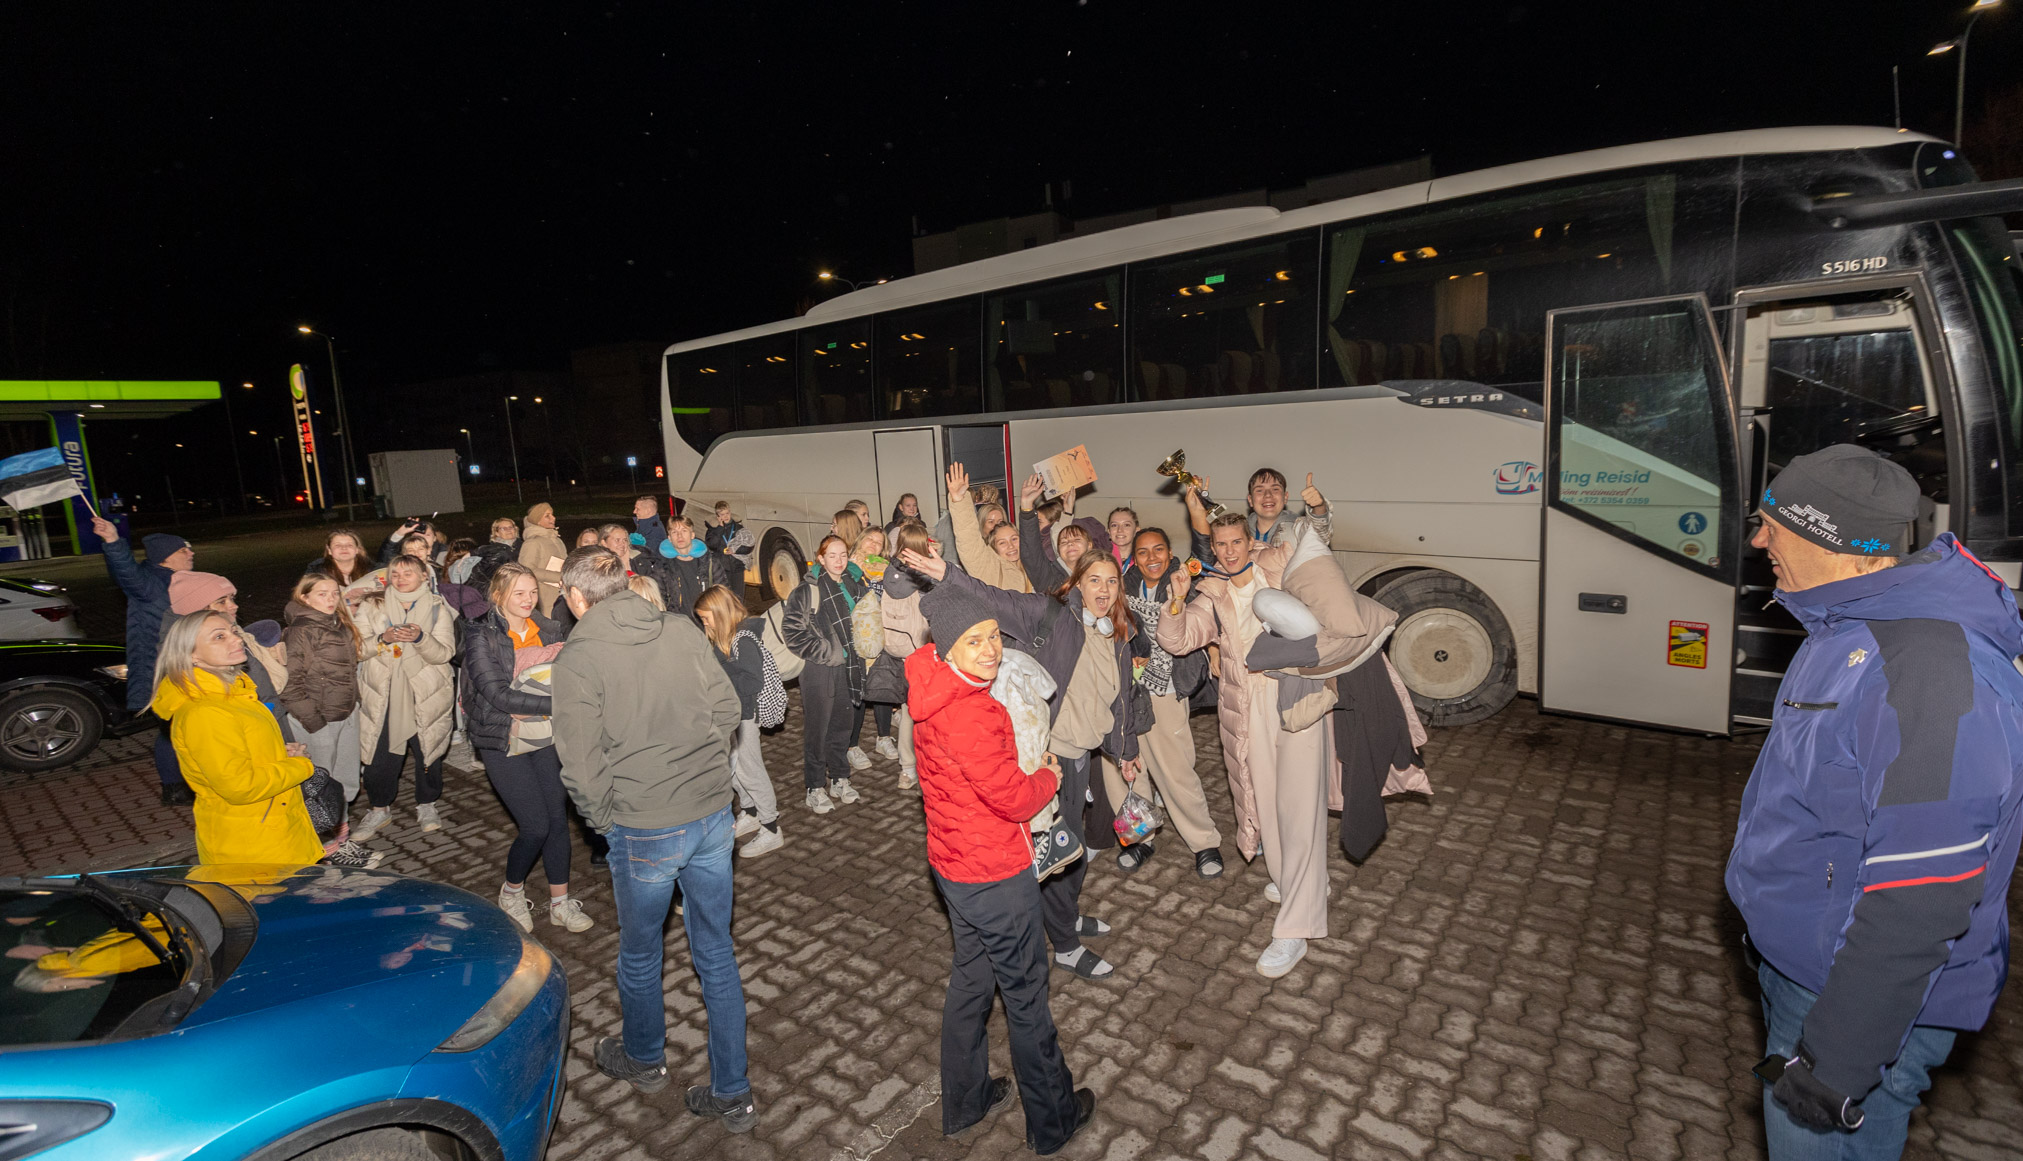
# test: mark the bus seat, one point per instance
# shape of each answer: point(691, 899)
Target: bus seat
point(1234, 367)
point(1376, 361)
point(1348, 355)
point(1272, 366)
point(1422, 360)
point(1148, 380)
point(1057, 393)
point(832, 409)
point(1174, 376)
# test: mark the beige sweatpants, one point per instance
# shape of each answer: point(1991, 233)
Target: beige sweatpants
point(1288, 773)
point(1168, 751)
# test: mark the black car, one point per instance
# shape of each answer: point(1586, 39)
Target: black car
point(57, 698)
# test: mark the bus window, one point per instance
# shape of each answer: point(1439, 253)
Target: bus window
point(766, 382)
point(929, 359)
point(699, 389)
point(1827, 389)
point(1058, 345)
point(1234, 321)
point(1995, 288)
point(1638, 404)
point(1461, 292)
point(835, 372)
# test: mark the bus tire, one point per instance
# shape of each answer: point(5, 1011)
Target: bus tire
point(785, 564)
point(1451, 646)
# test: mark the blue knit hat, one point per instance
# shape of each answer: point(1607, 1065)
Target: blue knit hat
point(162, 545)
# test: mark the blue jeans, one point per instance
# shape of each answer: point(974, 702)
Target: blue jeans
point(645, 866)
point(1888, 1108)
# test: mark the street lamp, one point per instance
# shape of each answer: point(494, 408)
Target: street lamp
point(518, 489)
point(470, 443)
point(343, 418)
point(828, 277)
point(1974, 13)
point(232, 431)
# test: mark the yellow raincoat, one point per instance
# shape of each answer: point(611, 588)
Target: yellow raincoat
point(249, 791)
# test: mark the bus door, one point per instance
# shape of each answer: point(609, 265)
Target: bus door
point(908, 460)
point(1642, 519)
point(1820, 365)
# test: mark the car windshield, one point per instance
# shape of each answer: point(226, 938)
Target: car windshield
point(73, 969)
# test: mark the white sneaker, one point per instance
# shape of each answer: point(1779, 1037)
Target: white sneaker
point(909, 778)
point(765, 842)
point(844, 791)
point(889, 748)
point(1280, 957)
point(461, 755)
point(514, 904)
point(1271, 892)
point(747, 823)
point(374, 822)
point(859, 760)
point(818, 801)
point(569, 913)
point(426, 815)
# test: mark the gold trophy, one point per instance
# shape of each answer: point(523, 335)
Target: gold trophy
point(1175, 465)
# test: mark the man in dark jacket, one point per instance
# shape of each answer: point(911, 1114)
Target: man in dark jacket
point(503, 546)
point(733, 542)
point(644, 718)
point(1879, 830)
point(691, 569)
point(147, 605)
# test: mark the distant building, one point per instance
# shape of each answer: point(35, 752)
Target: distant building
point(987, 239)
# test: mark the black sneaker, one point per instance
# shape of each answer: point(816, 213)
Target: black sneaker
point(1000, 1095)
point(1085, 1111)
point(614, 1063)
point(353, 856)
point(1055, 850)
point(1208, 863)
point(738, 1113)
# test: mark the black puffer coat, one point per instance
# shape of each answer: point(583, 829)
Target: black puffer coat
point(486, 686)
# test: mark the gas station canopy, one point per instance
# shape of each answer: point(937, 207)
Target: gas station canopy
point(103, 398)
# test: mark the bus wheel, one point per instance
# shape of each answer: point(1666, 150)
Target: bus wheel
point(1451, 645)
point(785, 566)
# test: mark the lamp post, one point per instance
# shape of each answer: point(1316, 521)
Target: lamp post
point(343, 418)
point(1974, 14)
point(518, 489)
point(826, 276)
point(470, 443)
point(232, 430)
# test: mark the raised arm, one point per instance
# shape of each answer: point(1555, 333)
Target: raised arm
point(1045, 573)
point(970, 550)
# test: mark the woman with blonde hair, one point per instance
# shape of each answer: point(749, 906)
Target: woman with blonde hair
point(739, 650)
point(247, 780)
point(542, 552)
point(497, 646)
point(323, 648)
point(648, 588)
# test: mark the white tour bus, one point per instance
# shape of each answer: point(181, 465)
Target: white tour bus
point(1540, 399)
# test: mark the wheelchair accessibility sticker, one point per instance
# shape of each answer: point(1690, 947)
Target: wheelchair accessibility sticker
point(1687, 644)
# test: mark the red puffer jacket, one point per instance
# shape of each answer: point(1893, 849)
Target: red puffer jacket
point(977, 798)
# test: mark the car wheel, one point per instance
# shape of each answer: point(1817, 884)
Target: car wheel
point(1451, 646)
point(372, 1145)
point(47, 727)
point(785, 564)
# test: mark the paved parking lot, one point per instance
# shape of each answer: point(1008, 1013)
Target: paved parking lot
point(1538, 963)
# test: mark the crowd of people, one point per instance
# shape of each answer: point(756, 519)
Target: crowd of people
point(1032, 673)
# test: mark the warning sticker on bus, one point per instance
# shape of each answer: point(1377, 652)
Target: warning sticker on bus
point(1687, 645)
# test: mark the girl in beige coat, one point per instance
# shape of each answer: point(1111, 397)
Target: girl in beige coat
point(406, 693)
point(542, 550)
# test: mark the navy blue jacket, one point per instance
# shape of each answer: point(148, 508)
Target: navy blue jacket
point(1879, 829)
point(147, 605)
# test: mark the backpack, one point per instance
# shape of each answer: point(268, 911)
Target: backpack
point(772, 701)
point(867, 627)
point(786, 662)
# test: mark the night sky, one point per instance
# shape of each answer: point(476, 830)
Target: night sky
point(458, 187)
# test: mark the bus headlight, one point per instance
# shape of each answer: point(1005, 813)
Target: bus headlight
point(508, 1002)
point(116, 672)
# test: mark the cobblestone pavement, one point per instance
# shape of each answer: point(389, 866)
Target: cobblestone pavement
point(1538, 963)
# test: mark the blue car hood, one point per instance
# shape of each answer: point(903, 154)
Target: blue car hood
point(323, 930)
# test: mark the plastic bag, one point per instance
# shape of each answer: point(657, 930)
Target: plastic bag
point(1137, 818)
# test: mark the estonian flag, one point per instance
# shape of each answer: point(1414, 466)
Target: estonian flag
point(36, 478)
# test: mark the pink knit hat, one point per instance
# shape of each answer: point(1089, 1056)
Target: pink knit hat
point(190, 591)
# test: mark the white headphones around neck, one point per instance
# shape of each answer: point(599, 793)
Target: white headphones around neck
point(1101, 625)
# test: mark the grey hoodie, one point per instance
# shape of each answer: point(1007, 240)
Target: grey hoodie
point(644, 717)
